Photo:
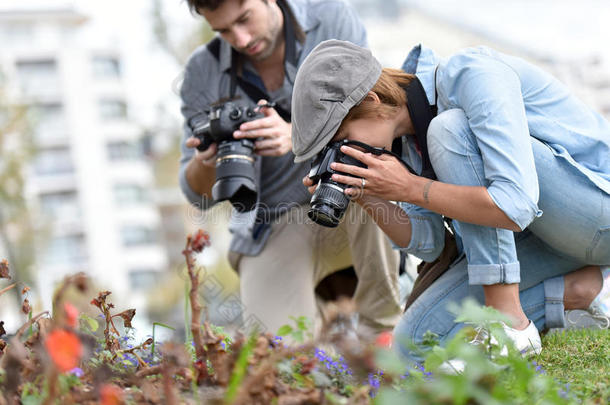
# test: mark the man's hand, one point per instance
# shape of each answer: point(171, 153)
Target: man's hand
point(273, 131)
point(207, 157)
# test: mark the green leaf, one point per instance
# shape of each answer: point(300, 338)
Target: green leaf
point(91, 323)
point(163, 325)
point(239, 371)
point(284, 330)
point(390, 363)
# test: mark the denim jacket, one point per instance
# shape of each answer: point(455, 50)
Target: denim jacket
point(506, 100)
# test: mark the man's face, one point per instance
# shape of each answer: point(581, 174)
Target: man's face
point(252, 27)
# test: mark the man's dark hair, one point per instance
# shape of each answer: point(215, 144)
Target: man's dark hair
point(196, 5)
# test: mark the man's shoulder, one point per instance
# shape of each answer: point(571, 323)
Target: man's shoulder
point(203, 55)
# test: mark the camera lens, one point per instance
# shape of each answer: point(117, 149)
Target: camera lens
point(328, 204)
point(235, 176)
point(235, 114)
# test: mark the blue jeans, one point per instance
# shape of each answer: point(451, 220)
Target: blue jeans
point(573, 231)
point(575, 216)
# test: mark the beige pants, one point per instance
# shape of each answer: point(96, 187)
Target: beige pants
point(280, 282)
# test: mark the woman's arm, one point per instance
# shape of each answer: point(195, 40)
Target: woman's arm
point(388, 179)
point(464, 203)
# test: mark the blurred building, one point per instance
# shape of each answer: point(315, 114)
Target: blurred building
point(570, 42)
point(90, 183)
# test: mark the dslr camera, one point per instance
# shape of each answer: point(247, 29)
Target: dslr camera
point(329, 202)
point(235, 176)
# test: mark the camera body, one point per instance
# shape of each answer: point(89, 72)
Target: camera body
point(235, 175)
point(329, 202)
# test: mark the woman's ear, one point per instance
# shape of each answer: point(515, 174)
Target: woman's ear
point(372, 96)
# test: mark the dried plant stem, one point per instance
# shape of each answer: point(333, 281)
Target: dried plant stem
point(53, 384)
point(158, 369)
point(31, 321)
point(168, 386)
point(5, 289)
point(196, 307)
point(132, 351)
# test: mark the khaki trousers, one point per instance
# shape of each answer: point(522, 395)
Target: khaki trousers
point(280, 282)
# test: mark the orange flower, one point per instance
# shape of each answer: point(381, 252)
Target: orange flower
point(384, 339)
point(71, 315)
point(64, 348)
point(110, 394)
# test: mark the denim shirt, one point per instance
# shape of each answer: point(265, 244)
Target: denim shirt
point(207, 80)
point(506, 100)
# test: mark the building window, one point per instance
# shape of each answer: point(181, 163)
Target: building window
point(125, 150)
point(106, 67)
point(130, 194)
point(142, 279)
point(53, 161)
point(66, 250)
point(18, 32)
point(111, 109)
point(49, 120)
point(38, 77)
point(60, 205)
point(138, 235)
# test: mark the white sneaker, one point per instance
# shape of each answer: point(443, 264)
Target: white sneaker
point(591, 318)
point(527, 341)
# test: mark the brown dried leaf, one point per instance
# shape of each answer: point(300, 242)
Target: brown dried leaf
point(174, 354)
point(200, 240)
point(4, 269)
point(25, 307)
point(296, 398)
point(127, 316)
point(2, 331)
point(151, 391)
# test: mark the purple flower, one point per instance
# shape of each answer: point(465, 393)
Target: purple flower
point(77, 371)
point(374, 380)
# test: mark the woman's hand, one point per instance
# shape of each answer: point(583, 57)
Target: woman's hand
point(385, 176)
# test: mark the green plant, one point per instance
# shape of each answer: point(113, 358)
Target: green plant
point(303, 328)
point(487, 378)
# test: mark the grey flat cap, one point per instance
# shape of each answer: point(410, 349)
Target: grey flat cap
point(334, 77)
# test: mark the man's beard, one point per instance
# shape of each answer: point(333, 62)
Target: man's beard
point(269, 41)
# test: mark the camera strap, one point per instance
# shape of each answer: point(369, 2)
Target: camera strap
point(421, 113)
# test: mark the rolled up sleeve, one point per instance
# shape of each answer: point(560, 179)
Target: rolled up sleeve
point(427, 233)
point(489, 92)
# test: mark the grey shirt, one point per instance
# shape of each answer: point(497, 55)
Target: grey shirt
point(207, 80)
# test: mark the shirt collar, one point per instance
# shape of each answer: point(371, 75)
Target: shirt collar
point(304, 19)
point(422, 62)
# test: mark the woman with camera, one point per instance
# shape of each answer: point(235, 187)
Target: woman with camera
point(520, 165)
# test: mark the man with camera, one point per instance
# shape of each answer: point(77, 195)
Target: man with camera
point(281, 256)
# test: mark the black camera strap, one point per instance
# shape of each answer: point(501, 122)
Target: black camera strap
point(421, 113)
point(253, 91)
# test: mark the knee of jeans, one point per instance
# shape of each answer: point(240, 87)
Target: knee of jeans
point(417, 324)
point(449, 132)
